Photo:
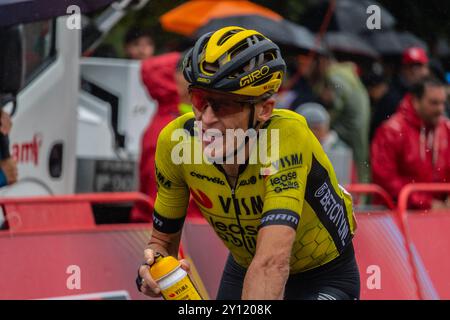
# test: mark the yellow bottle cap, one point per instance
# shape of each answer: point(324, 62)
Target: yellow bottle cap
point(163, 266)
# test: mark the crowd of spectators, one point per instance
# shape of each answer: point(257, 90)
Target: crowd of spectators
point(389, 128)
point(397, 128)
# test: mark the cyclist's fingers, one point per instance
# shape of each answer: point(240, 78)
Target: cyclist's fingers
point(148, 280)
point(185, 265)
point(149, 292)
point(149, 256)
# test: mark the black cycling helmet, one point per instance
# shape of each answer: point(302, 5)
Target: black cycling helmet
point(235, 60)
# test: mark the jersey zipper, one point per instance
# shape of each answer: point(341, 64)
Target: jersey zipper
point(233, 199)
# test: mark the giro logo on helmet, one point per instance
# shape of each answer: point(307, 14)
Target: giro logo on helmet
point(255, 75)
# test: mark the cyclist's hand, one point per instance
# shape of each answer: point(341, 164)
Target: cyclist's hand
point(185, 265)
point(149, 286)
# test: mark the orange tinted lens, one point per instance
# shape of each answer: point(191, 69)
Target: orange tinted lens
point(198, 99)
point(222, 106)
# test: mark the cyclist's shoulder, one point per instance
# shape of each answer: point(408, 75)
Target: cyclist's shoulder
point(287, 120)
point(292, 128)
point(183, 124)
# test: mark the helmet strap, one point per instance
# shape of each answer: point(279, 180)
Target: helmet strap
point(251, 123)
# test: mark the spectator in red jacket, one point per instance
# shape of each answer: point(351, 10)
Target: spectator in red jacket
point(413, 69)
point(414, 145)
point(163, 79)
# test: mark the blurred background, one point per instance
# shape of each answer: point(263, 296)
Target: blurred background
point(432, 15)
point(85, 91)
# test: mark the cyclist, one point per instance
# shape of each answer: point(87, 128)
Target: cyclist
point(286, 221)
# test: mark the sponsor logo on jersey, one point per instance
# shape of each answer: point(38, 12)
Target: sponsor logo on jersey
point(201, 198)
point(250, 181)
point(157, 222)
point(284, 182)
point(233, 233)
point(284, 217)
point(216, 180)
point(291, 161)
point(162, 181)
point(328, 205)
point(243, 206)
point(334, 210)
point(167, 225)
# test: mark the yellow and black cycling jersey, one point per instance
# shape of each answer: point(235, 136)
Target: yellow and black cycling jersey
point(298, 189)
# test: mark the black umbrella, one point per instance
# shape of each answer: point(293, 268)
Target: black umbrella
point(393, 42)
point(443, 48)
point(349, 43)
point(283, 32)
point(348, 16)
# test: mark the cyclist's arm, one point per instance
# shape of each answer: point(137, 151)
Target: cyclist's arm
point(283, 201)
point(165, 243)
point(169, 212)
point(172, 198)
point(267, 274)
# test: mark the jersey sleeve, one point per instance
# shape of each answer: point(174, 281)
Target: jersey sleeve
point(173, 194)
point(285, 174)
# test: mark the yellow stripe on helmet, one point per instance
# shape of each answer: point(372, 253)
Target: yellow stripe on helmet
point(213, 51)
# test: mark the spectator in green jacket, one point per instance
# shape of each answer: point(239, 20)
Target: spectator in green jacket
point(341, 90)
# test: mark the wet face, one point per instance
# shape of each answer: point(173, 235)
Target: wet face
point(432, 104)
point(221, 112)
point(140, 49)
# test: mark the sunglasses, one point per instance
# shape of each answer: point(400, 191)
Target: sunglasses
point(223, 104)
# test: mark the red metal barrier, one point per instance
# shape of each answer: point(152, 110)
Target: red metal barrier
point(380, 242)
point(372, 189)
point(428, 232)
point(53, 239)
point(112, 197)
point(418, 187)
point(57, 235)
point(117, 248)
point(62, 212)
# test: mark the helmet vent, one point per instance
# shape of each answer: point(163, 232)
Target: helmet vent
point(239, 48)
point(225, 37)
point(210, 68)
